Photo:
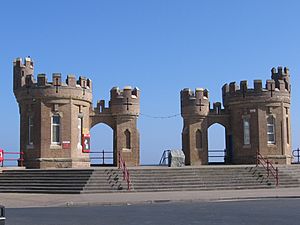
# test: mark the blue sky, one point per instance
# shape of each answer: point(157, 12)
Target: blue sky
point(160, 46)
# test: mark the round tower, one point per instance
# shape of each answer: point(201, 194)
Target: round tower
point(260, 118)
point(125, 108)
point(194, 110)
point(53, 117)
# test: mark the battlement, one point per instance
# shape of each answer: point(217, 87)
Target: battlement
point(194, 102)
point(56, 82)
point(275, 89)
point(279, 72)
point(244, 90)
point(28, 62)
point(24, 77)
point(124, 101)
point(126, 92)
point(189, 95)
point(27, 87)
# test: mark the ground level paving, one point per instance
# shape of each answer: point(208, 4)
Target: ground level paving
point(11, 200)
point(243, 212)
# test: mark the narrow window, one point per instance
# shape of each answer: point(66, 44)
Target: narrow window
point(128, 141)
point(287, 130)
point(55, 129)
point(80, 132)
point(30, 130)
point(271, 129)
point(246, 128)
point(198, 139)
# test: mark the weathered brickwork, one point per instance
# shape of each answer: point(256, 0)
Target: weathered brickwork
point(54, 115)
point(255, 119)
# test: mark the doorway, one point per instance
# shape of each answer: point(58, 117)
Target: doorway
point(101, 153)
point(216, 144)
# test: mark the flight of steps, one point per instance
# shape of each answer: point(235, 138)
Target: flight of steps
point(102, 180)
point(58, 181)
point(289, 176)
point(199, 178)
point(105, 180)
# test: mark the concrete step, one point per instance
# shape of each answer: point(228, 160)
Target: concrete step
point(145, 179)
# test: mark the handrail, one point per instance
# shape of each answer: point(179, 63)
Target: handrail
point(4, 153)
point(164, 157)
point(268, 166)
point(122, 166)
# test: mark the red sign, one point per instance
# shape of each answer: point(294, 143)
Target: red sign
point(86, 140)
point(1, 155)
point(66, 144)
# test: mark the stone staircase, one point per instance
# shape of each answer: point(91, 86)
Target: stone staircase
point(101, 180)
point(59, 181)
point(289, 176)
point(199, 178)
point(105, 180)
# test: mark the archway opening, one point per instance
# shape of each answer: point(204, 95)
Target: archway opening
point(101, 145)
point(216, 144)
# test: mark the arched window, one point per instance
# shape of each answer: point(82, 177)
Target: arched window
point(246, 128)
point(128, 139)
point(271, 129)
point(198, 139)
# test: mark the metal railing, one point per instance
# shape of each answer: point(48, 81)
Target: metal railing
point(102, 156)
point(212, 155)
point(164, 158)
point(122, 166)
point(4, 154)
point(268, 166)
point(296, 153)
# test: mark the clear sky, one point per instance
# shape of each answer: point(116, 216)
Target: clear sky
point(160, 46)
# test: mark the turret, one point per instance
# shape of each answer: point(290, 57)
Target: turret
point(194, 103)
point(281, 74)
point(125, 101)
point(22, 71)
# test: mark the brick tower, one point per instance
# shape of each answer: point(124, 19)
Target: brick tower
point(54, 116)
point(255, 119)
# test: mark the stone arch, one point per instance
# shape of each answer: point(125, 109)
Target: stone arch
point(222, 120)
point(102, 145)
point(109, 121)
point(216, 151)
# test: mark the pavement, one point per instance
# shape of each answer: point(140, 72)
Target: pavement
point(12, 200)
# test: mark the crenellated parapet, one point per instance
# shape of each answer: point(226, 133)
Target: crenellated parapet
point(26, 86)
point(21, 70)
point(194, 103)
point(125, 101)
point(275, 89)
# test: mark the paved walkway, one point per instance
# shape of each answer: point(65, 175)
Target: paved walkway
point(52, 200)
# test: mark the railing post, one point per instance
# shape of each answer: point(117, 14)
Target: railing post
point(103, 157)
point(2, 158)
point(268, 167)
point(119, 159)
point(277, 178)
point(298, 156)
